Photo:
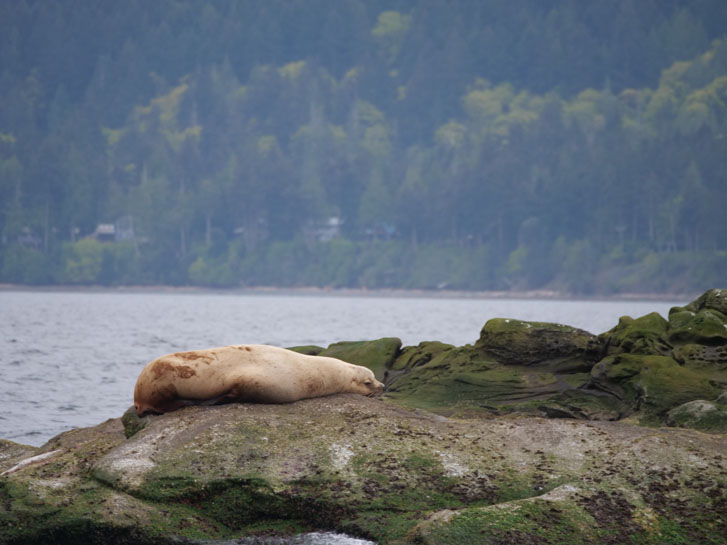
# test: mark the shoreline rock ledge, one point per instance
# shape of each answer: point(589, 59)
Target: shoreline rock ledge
point(474, 444)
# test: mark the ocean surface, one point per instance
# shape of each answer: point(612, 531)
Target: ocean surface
point(71, 358)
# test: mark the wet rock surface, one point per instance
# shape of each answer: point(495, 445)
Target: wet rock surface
point(471, 444)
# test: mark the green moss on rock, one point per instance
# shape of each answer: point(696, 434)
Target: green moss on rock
point(706, 326)
point(132, 423)
point(415, 356)
point(308, 349)
point(539, 522)
point(699, 414)
point(644, 335)
point(568, 516)
point(515, 342)
point(714, 299)
point(583, 404)
point(377, 355)
point(702, 356)
point(651, 384)
point(469, 379)
point(449, 380)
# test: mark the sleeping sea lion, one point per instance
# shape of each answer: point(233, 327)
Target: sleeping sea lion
point(251, 372)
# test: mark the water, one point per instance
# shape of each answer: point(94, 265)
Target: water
point(70, 359)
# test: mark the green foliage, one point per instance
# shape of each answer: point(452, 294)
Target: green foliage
point(89, 261)
point(27, 266)
point(572, 166)
point(389, 32)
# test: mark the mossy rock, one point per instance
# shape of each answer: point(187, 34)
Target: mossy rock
point(54, 500)
point(411, 357)
point(714, 299)
point(442, 380)
point(584, 405)
point(465, 380)
point(651, 384)
point(699, 414)
point(132, 423)
point(702, 356)
point(345, 463)
point(10, 452)
point(515, 342)
point(377, 355)
point(569, 514)
point(706, 326)
point(368, 468)
point(644, 335)
point(414, 356)
point(308, 349)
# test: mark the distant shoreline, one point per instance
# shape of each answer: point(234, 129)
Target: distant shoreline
point(356, 292)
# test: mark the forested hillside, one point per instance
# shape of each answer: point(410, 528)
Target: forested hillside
point(578, 146)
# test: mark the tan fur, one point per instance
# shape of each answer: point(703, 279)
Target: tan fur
point(258, 373)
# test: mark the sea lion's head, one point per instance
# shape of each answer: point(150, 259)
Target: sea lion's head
point(364, 382)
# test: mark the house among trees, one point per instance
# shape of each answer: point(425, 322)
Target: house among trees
point(122, 229)
point(105, 232)
point(328, 230)
point(28, 239)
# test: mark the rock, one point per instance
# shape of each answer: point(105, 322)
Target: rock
point(584, 404)
point(411, 357)
point(570, 513)
point(706, 326)
point(414, 356)
point(722, 398)
point(445, 380)
point(132, 423)
point(11, 453)
point(654, 365)
point(514, 342)
point(515, 366)
point(701, 356)
point(650, 384)
point(714, 299)
point(367, 468)
point(377, 355)
point(703, 321)
point(55, 501)
point(699, 414)
point(456, 380)
point(308, 349)
point(645, 335)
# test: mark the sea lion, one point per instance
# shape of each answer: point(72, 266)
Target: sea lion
point(252, 372)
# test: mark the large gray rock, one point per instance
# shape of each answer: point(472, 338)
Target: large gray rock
point(700, 414)
point(368, 468)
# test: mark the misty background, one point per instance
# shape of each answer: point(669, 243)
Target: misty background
point(474, 145)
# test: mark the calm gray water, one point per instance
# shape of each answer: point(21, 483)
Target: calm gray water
point(70, 359)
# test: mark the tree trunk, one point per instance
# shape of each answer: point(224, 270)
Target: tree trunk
point(182, 241)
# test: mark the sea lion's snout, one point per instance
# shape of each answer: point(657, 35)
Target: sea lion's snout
point(374, 386)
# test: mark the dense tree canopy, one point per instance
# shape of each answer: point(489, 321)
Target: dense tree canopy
point(413, 143)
